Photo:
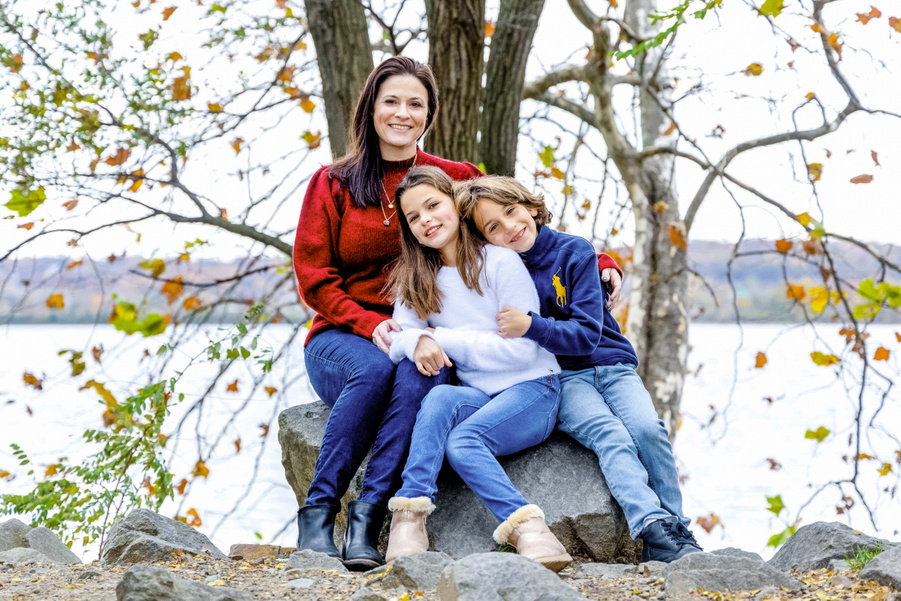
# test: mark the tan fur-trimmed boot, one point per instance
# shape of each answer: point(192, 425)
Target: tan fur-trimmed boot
point(526, 531)
point(408, 535)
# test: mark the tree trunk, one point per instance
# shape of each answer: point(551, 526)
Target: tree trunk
point(344, 54)
point(510, 48)
point(456, 49)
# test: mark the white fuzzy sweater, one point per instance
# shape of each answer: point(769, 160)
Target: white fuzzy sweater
point(467, 331)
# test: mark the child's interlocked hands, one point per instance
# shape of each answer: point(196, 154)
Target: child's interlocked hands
point(512, 323)
point(429, 357)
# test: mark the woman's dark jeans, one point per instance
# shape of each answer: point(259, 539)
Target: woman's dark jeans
point(374, 405)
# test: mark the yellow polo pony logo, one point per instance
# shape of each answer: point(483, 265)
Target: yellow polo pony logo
point(560, 288)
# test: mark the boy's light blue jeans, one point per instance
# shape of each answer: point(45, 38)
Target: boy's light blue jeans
point(472, 429)
point(607, 409)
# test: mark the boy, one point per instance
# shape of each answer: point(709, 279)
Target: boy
point(604, 405)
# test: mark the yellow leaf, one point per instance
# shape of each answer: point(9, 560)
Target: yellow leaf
point(822, 359)
point(862, 179)
point(55, 301)
point(832, 40)
point(200, 469)
point(217, 582)
point(192, 303)
point(814, 171)
point(174, 57)
point(760, 360)
point(885, 470)
point(659, 206)
point(784, 246)
point(195, 519)
point(31, 380)
point(804, 219)
point(233, 387)
point(138, 179)
point(754, 69)
point(307, 105)
point(236, 144)
point(557, 173)
point(105, 394)
point(70, 204)
point(882, 354)
point(311, 139)
point(183, 258)
point(489, 29)
point(51, 470)
point(270, 390)
point(215, 107)
point(181, 518)
point(156, 266)
point(4, 474)
point(168, 12)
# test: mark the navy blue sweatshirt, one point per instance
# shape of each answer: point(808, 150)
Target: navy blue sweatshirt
point(574, 324)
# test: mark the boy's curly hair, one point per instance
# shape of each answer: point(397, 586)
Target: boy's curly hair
point(503, 190)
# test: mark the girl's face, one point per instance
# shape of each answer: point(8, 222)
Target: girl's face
point(510, 226)
point(399, 116)
point(433, 220)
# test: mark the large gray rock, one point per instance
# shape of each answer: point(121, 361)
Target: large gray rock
point(726, 569)
point(13, 535)
point(45, 541)
point(418, 572)
point(813, 546)
point(23, 556)
point(560, 476)
point(885, 569)
point(144, 536)
point(147, 583)
point(502, 577)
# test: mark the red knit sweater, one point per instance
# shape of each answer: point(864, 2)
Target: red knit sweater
point(342, 253)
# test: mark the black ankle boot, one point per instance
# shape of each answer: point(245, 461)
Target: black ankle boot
point(316, 529)
point(667, 540)
point(364, 523)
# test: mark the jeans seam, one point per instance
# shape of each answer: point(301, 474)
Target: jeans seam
point(499, 423)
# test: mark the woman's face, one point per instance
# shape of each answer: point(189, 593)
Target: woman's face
point(433, 220)
point(399, 116)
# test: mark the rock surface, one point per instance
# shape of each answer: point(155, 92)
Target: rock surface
point(725, 569)
point(248, 551)
point(23, 556)
point(144, 536)
point(420, 572)
point(885, 568)
point(148, 583)
point(307, 563)
point(813, 546)
point(13, 535)
point(609, 571)
point(502, 577)
point(560, 476)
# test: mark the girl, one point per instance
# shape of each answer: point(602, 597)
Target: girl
point(449, 287)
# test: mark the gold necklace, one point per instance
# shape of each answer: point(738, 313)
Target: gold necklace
point(387, 217)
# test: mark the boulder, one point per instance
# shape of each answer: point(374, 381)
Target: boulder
point(147, 583)
point(419, 573)
point(502, 576)
point(725, 569)
point(813, 546)
point(13, 535)
point(560, 476)
point(885, 569)
point(248, 552)
point(48, 543)
point(144, 536)
point(23, 556)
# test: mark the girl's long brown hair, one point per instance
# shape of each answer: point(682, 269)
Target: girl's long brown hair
point(414, 279)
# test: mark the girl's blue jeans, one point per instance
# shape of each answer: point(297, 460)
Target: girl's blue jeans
point(608, 410)
point(374, 405)
point(472, 429)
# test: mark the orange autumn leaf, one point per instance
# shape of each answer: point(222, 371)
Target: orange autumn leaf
point(708, 523)
point(181, 87)
point(120, 157)
point(26, 226)
point(96, 352)
point(760, 361)
point(215, 107)
point(677, 235)
point(174, 57)
point(895, 23)
point(173, 290)
point(784, 246)
point(236, 144)
point(195, 518)
point(489, 29)
point(795, 292)
point(70, 204)
point(862, 179)
point(817, 28)
point(875, 157)
point(15, 63)
point(832, 40)
point(885, 470)
point(307, 105)
point(810, 96)
point(874, 13)
point(898, 336)
point(168, 12)
point(181, 486)
point(51, 470)
point(192, 303)
point(286, 75)
point(882, 354)
point(265, 429)
point(73, 265)
point(754, 70)
point(238, 445)
point(32, 381)
point(4, 474)
point(670, 129)
point(55, 301)
point(270, 390)
point(814, 171)
point(138, 179)
point(311, 139)
point(200, 469)
point(233, 387)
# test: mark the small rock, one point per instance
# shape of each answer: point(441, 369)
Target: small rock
point(499, 576)
point(147, 583)
point(145, 536)
point(728, 569)
point(367, 594)
point(23, 556)
point(885, 569)
point(651, 569)
point(419, 572)
point(307, 563)
point(841, 581)
point(300, 583)
point(661, 594)
point(610, 571)
point(813, 546)
point(893, 597)
point(88, 574)
point(766, 593)
point(49, 544)
point(249, 552)
point(838, 565)
point(13, 535)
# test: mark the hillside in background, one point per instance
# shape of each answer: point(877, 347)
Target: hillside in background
point(758, 274)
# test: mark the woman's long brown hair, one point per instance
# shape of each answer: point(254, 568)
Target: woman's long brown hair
point(414, 279)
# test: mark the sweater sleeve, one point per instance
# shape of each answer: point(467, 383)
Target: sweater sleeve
point(316, 261)
point(605, 261)
point(509, 280)
point(403, 343)
point(582, 332)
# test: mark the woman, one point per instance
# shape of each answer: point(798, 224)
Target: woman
point(347, 237)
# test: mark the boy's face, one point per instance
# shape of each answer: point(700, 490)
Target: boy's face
point(510, 226)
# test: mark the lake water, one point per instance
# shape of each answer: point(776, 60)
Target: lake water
point(759, 415)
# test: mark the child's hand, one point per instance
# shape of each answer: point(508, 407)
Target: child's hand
point(429, 357)
point(512, 323)
point(381, 337)
point(613, 282)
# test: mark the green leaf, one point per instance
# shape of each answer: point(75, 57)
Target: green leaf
point(25, 201)
point(776, 504)
point(778, 540)
point(771, 8)
point(547, 157)
point(819, 434)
